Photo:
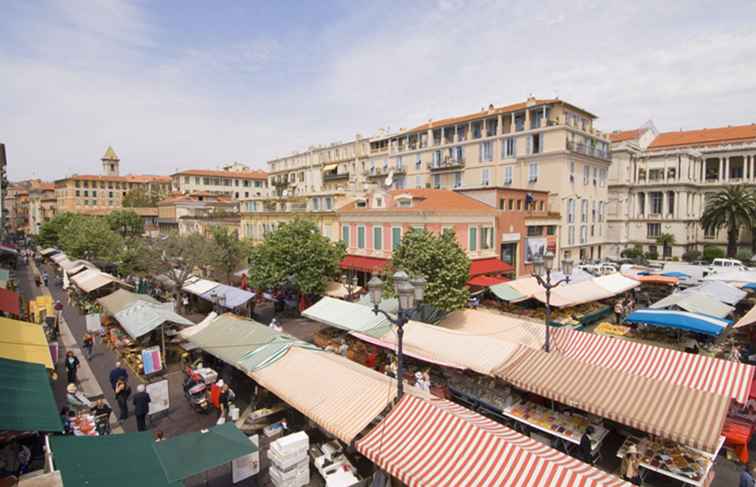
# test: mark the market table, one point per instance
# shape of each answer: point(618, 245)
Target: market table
point(567, 427)
point(671, 459)
point(738, 435)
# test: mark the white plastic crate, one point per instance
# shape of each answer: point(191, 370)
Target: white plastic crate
point(292, 443)
point(285, 463)
point(293, 478)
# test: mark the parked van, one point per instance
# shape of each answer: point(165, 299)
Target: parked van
point(598, 269)
point(728, 265)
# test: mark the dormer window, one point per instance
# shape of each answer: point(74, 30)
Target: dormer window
point(378, 202)
point(361, 203)
point(404, 202)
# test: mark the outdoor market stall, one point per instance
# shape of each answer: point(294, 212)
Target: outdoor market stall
point(695, 301)
point(10, 303)
point(25, 342)
point(26, 398)
point(722, 291)
point(680, 320)
point(227, 297)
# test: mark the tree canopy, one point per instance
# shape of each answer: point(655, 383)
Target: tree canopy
point(50, 232)
point(731, 208)
point(229, 253)
point(296, 253)
point(126, 223)
point(443, 263)
point(91, 238)
point(140, 198)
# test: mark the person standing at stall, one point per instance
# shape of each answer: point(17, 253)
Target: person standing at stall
point(118, 373)
point(746, 478)
point(122, 393)
point(88, 345)
point(618, 311)
point(631, 466)
point(141, 402)
point(72, 366)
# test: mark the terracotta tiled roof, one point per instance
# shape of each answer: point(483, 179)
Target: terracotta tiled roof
point(738, 133)
point(127, 179)
point(256, 174)
point(426, 200)
point(194, 198)
point(623, 135)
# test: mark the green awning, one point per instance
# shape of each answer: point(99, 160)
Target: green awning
point(114, 460)
point(26, 398)
point(121, 299)
point(4, 274)
point(506, 292)
point(193, 453)
point(348, 316)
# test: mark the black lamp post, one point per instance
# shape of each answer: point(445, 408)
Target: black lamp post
point(410, 292)
point(544, 265)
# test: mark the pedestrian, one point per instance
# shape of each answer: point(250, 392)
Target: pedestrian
point(76, 399)
point(72, 366)
point(585, 450)
point(122, 393)
point(45, 278)
point(141, 402)
point(118, 373)
point(224, 399)
point(101, 413)
point(630, 469)
point(746, 479)
point(618, 310)
point(88, 345)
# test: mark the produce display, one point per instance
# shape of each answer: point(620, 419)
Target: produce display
point(84, 425)
point(669, 456)
point(485, 389)
point(605, 328)
point(564, 316)
point(571, 426)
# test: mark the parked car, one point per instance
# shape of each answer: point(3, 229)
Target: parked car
point(727, 265)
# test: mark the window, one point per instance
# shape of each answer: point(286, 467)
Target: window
point(77, 192)
point(485, 177)
point(316, 204)
point(511, 204)
point(457, 179)
point(571, 235)
point(486, 151)
point(436, 158)
point(583, 234)
point(572, 171)
point(570, 211)
point(584, 211)
point(508, 148)
point(508, 175)
point(361, 237)
point(418, 162)
point(595, 176)
point(377, 238)
point(457, 153)
point(396, 237)
point(551, 230)
point(404, 202)
point(653, 230)
point(379, 202)
point(593, 211)
point(329, 203)
point(535, 231)
point(110, 194)
point(532, 172)
point(437, 181)
point(535, 144)
point(361, 203)
point(710, 233)
point(486, 238)
point(670, 202)
point(656, 202)
point(345, 234)
point(586, 174)
point(77, 183)
point(399, 162)
point(641, 203)
point(86, 192)
point(472, 241)
point(418, 182)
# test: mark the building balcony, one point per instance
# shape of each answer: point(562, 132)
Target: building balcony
point(448, 164)
point(382, 173)
point(334, 176)
point(587, 150)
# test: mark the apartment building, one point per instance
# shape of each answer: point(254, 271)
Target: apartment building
point(100, 194)
point(3, 188)
point(16, 206)
point(42, 205)
point(235, 181)
point(546, 145)
point(196, 212)
point(659, 183)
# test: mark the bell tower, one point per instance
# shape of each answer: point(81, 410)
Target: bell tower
point(110, 163)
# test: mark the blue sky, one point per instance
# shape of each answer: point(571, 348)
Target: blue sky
point(179, 84)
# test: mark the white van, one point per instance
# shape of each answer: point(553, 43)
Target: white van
point(598, 269)
point(727, 265)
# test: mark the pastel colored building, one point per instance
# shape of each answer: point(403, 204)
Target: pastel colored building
point(235, 181)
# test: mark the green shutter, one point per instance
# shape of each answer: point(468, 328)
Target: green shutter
point(473, 239)
point(360, 237)
point(378, 238)
point(345, 234)
point(396, 238)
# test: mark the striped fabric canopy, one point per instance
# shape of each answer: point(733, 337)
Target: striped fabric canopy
point(675, 412)
point(723, 377)
point(421, 442)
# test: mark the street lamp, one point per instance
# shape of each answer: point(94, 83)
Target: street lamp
point(543, 266)
point(410, 293)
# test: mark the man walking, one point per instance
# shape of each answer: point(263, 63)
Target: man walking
point(141, 402)
point(88, 345)
point(118, 373)
point(72, 366)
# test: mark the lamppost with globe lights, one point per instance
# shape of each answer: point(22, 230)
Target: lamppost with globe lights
point(544, 265)
point(410, 293)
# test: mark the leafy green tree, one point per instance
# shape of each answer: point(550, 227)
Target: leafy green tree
point(443, 263)
point(296, 253)
point(178, 257)
point(692, 255)
point(91, 238)
point(731, 208)
point(745, 255)
point(712, 252)
point(633, 253)
point(140, 198)
point(229, 253)
point(666, 241)
point(138, 258)
point(126, 223)
point(49, 233)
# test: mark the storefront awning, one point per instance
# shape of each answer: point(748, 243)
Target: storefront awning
point(506, 292)
point(723, 377)
point(695, 302)
point(347, 316)
point(227, 296)
point(9, 302)
point(489, 266)
point(25, 342)
point(421, 442)
point(364, 264)
point(679, 319)
point(330, 167)
point(26, 398)
point(485, 281)
point(142, 317)
point(678, 413)
point(200, 286)
point(339, 395)
point(191, 454)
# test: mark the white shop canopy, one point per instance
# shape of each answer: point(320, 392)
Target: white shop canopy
point(142, 317)
point(695, 302)
point(200, 287)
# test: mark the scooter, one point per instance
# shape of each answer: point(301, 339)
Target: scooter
point(195, 392)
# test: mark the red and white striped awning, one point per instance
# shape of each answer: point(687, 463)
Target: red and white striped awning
point(723, 377)
point(436, 442)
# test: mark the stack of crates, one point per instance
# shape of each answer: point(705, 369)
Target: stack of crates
point(290, 465)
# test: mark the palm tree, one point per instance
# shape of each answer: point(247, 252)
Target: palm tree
point(666, 241)
point(733, 208)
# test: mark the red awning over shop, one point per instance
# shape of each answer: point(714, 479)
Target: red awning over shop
point(489, 266)
point(364, 264)
point(9, 302)
point(485, 281)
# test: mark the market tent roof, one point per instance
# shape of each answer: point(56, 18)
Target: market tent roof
point(724, 377)
point(675, 412)
point(207, 449)
point(616, 283)
point(695, 302)
point(389, 305)
point(722, 291)
point(506, 292)
point(655, 279)
point(142, 317)
point(233, 297)
point(26, 398)
point(58, 257)
point(25, 342)
point(575, 294)
point(339, 395)
point(485, 281)
point(83, 276)
point(93, 281)
point(677, 274)
point(113, 460)
point(734, 277)
point(678, 319)
point(10, 302)
point(490, 265)
point(750, 285)
point(200, 286)
point(347, 316)
point(747, 319)
point(121, 299)
point(420, 442)
point(338, 290)
point(48, 251)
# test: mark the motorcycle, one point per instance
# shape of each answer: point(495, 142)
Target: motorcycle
point(195, 391)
